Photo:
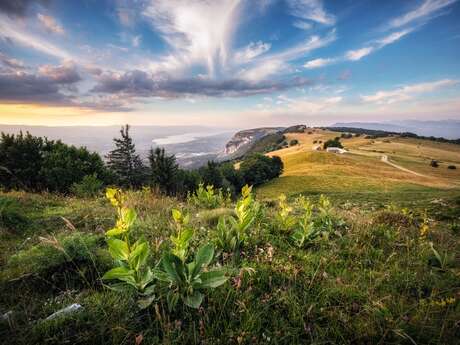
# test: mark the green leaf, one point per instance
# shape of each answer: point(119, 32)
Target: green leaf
point(203, 258)
point(172, 265)
point(177, 215)
point(144, 303)
point(116, 231)
point(118, 249)
point(121, 273)
point(171, 300)
point(194, 301)
point(213, 279)
point(139, 255)
point(129, 216)
point(147, 277)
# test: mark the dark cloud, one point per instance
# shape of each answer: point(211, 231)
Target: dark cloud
point(46, 86)
point(64, 74)
point(19, 7)
point(141, 84)
point(11, 63)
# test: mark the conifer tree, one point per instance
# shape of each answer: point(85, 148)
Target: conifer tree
point(163, 170)
point(124, 162)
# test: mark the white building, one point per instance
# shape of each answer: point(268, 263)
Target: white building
point(336, 150)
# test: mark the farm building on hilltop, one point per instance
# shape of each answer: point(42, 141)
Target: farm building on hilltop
point(336, 150)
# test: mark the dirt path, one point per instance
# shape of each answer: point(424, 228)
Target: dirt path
point(385, 160)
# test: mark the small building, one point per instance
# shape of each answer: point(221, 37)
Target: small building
point(336, 150)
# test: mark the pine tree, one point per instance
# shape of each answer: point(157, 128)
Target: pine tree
point(163, 170)
point(124, 162)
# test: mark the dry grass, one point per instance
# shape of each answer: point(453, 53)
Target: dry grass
point(362, 170)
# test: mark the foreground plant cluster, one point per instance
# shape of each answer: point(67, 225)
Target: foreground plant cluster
point(147, 269)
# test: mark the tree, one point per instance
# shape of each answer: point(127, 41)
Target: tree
point(233, 178)
point(163, 170)
point(64, 165)
point(211, 175)
point(258, 169)
point(37, 164)
point(124, 162)
point(333, 143)
point(293, 142)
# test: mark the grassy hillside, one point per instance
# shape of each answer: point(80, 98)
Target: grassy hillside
point(379, 265)
point(361, 173)
point(368, 277)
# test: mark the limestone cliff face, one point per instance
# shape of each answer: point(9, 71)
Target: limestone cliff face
point(242, 141)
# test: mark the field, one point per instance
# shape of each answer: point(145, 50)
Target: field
point(380, 265)
point(361, 174)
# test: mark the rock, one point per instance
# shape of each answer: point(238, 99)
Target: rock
point(67, 310)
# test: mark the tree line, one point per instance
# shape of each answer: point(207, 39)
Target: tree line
point(38, 164)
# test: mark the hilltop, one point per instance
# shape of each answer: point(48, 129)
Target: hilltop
point(362, 171)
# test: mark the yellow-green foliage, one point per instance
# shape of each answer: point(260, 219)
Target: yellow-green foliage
point(209, 197)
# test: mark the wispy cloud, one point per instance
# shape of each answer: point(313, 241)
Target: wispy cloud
point(251, 51)
point(407, 92)
point(426, 10)
point(311, 10)
point(199, 31)
point(50, 24)
point(358, 54)
point(9, 31)
point(317, 63)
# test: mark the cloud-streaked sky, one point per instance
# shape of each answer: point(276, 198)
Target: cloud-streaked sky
point(236, 63)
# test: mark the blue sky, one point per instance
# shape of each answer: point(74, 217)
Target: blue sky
point(233, 63)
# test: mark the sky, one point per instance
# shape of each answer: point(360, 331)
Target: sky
point(228, 63)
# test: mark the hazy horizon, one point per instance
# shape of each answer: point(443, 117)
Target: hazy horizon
point(228, 63)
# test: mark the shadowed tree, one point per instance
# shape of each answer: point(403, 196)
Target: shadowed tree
point(124, 162)
point(163, 170)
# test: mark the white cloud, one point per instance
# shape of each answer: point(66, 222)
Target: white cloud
point(302, 25)
point(395, 36)
point(358, 54)
point(311, 10)
point(200, 32)
point(251, 51)
point(427, 9)
point(136, 41)
point(263, 70)
point(50, 24)
point(407, 92)
point(10, 31)
point(317, 63)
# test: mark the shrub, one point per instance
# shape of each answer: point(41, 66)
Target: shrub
point(452, 167)
point(333, 143)
point(284, 219)
point(293, 142)
point(11, 217)
point(208, 197)
point(77, 253)
point(434, 163)
point(232, 232)
point(258, 169)
point(90, 186)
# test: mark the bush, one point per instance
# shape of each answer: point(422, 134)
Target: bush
point(293, 142)
point(90, 186)
point(434, 163)
point(452, 167)
point(208, 197)
point(36, 164)
point(77, 254)
point(11, 217)
point(258, 169)
point(333, 143)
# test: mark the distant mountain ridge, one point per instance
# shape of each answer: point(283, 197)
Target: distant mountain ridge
point(449, 129)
